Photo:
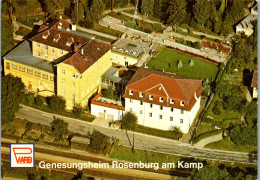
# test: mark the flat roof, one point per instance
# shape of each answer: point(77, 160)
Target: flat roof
point(109, 74)
point(23, 54)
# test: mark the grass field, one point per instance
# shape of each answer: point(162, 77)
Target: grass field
point(168, 59)
point(30, 20)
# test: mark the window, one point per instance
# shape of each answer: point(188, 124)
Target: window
point(140, 112)
point(63, 81)
point(40, 83)
point(73, 84)
point(37, 73)
point(150, 97)
point(38, 45)
point(29, 71)
point(171, 118)
point(131, 101)
point(46, 57)
point(51, 86)
point(150, 114)
point(73, 75)
point(22, 68)
point(161, 107)
point(61, 51)
point(141, 102)
point(73, 95)
point(52, 50)
point(7, 65)
point(160, 116)
point(38, 54)
point(182, 111)
point(52, 78)
point(14, 66)
point(63, 91)
point(141, 94)
point(45, 76)
point(171, 109)
point(182, 103)
point(131, 109)
point(181, 121)
point(131, 92)
point(63, 71)
point(151, 105)
point(171, 101)
point(161, 99)
point(46, 47)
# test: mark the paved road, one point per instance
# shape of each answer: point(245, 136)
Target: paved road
point(208, 140)
point(142, 141)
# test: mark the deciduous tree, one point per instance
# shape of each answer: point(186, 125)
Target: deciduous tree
point(59, 128)
point(97, 9)
point(57, 103)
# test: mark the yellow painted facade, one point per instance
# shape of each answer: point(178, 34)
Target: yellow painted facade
point(35, 80)
point(77, 88)
point(47, 52)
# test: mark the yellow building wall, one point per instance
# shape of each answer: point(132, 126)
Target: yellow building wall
point(45, 86)
point(47, 51)
point(82, 85)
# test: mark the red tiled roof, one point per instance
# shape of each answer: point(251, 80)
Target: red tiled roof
point(164, 85)
point(254, 79)
point(92, 51)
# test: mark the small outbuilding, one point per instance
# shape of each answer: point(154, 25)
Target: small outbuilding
point(79, 143)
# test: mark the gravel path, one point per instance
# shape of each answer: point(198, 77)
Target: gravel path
point(202, 143)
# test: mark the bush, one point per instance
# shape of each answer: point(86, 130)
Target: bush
point(30, 98)
point(110, 93)
point(59, 128)
point(86, 24)
point(157, 27)
point(57, 103)
point(98, 141)
point(217, 108)
point(77, 110)
point(39, 100)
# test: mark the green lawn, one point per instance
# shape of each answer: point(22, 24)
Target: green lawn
point(23, 32)
point(228, 145)
point(201, 69)
point(30, 20)
point(125, 153)
point(106, 30)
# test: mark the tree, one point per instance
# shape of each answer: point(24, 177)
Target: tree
point(98, 141)
point(49, 6)
point(176, 12)
point(81, 11)
point(226, 25)
point(39, 100)
point(236, 9)
point(129, 122)
point(147, 7)
point(11, 96)
point(30, 98)
point(57, 103)
point(157, 9)
point(6, 33)
point(97, 9)
point(157, 27)
point(201, 11)
point(77, 110)
point(59, 128)
point(217, 108)
point(212, 173)
point(221, 9)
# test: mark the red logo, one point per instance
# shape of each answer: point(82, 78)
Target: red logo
point(22, 155)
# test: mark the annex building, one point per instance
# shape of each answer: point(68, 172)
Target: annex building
point(59, 60)
point(160, 100)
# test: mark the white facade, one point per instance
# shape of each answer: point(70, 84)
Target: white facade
point(161, 117)
point(123, 59)
point(106, 112)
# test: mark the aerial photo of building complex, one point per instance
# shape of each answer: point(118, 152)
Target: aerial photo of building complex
point(120, 89)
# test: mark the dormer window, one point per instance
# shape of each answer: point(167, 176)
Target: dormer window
point(45, 34)
point(56, 38)
point(150, 97)
point(171, 101)
point(182, 103)
point(131, 92)
point(161, 99)
point(141, 94)
point(69, 41)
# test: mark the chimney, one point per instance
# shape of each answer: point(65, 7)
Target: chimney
point(73, 27)
point(59, 25)
point(82, 51)
point(248, 25)
point(77, 47)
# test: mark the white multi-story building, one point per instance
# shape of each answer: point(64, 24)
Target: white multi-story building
point(163, 100)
